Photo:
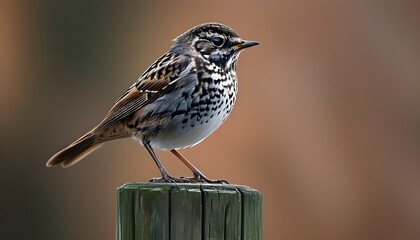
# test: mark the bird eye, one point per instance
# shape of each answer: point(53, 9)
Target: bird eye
point(217, 41)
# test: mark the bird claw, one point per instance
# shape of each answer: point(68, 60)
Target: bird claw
point(195, 179)
point(170, 179)
point(218, 181)
point(199, 177)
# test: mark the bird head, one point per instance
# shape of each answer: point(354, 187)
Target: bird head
point(215, 42)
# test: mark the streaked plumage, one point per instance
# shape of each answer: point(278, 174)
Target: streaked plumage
point(177, 102)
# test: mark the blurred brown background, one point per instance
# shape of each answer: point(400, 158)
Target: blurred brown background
point(327, 124)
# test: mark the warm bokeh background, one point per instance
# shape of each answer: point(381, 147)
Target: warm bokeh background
point(327, 124)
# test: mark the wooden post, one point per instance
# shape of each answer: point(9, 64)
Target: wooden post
point(164, 211)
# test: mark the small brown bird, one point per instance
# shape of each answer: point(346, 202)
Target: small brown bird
point(182, 98)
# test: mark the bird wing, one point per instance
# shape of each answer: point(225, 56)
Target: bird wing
point(156, 80)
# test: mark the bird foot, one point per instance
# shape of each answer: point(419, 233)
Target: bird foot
point(170, 179)
point(195, 179)
point(198, 177)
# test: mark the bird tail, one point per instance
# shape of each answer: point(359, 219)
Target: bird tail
point(75, 151)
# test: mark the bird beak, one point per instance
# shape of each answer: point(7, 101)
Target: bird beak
point(244, 44)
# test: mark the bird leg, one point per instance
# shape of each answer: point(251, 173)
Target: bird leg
point(166, 177)
point(198, 176)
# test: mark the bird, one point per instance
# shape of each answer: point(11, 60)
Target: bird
point(182, 98)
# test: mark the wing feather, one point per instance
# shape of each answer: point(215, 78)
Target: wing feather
point(152, 83)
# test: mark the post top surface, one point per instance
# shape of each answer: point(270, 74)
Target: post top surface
point(166, 186)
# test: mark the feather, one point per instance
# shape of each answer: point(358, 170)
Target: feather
point(152, 84)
